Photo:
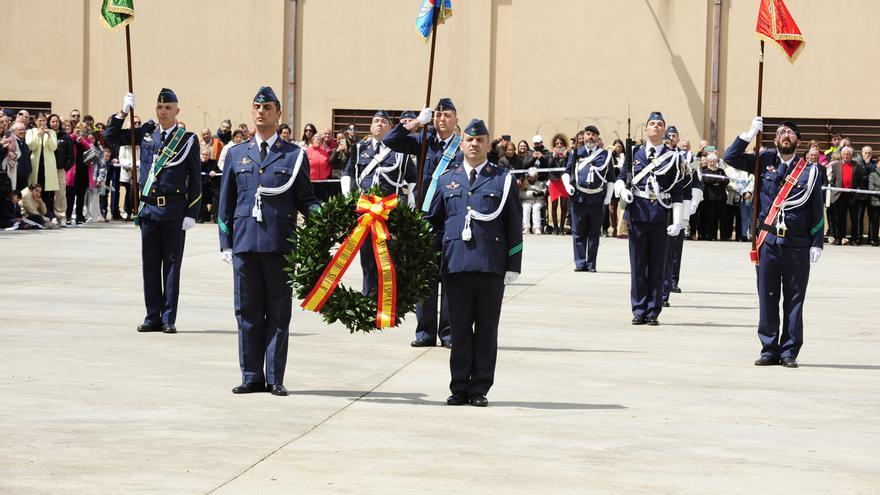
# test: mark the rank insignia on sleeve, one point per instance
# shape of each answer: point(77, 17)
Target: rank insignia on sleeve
point(453, 185)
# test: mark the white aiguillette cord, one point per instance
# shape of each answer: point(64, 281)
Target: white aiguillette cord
point(485, 217)
point(257, 212)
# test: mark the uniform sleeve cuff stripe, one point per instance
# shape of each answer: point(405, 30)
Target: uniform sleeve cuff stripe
point(222, 225)
point(515, 249)
point(195, 201)
point(818, 226)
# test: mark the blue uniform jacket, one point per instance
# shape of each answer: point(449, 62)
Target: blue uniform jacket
point(181, 174)
point(650, 210)
point(363, 156)
point(495, 246)
point(243, 172)
point(808, 216)
point(609, 175)
point(399, 139)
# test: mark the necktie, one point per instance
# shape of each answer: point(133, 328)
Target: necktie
point(164, 135)
point(378, 147)
point(263, 150)
point(651, 153)
point(473, 176)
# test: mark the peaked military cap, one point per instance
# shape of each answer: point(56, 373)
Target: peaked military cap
point(592, 128)
point(409, 114)
point(791, 125)
point(445, 104)
point(476, 127)
point(655, 115)
point(382, 114)
point(266, 95)
point(166, 96)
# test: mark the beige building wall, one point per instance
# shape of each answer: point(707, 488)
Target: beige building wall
point(525, 66)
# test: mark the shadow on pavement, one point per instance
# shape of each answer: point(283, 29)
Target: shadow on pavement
point(713, 307)
point(722, 293)
point(417, 398)
point(234, 332)
point(558, 349)
point(706, 324)
point(843, 366)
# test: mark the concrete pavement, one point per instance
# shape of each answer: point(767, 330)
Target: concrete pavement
point(583, 402)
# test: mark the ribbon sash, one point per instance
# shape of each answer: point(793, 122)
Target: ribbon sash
point(448, 155)
point(781, 196)
point(374, 215)
point(165, 154)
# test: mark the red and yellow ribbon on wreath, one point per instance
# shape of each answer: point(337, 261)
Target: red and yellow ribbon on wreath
point(374, 212)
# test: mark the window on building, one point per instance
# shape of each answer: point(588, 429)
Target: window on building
point(361, 119)
point(33, 107)
point(861, 132)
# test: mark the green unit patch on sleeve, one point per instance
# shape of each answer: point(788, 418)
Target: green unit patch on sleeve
point(223, 226)
point(515, 249)
point(818, 226)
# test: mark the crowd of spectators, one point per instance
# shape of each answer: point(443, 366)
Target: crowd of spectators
point(59, 171)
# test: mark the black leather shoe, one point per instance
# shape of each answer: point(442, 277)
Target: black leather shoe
point(580, 269)
point(423, 343)
point(456, 400)
point(638, 321)
point(447, 344)
point(148, 327)
point(676, 290)
point(767, 361)
point(277, 389)
point(170, 328)
point(479, 400)
point(249, 388)
point(652, 320)
point(591, 270)
point(789, 362)
point(665, 304)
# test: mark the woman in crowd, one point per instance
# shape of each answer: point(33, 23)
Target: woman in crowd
point(97, 159)
point(63, 162)
point(78, 176)
point(873, 206)
point(522, 151)
point(319, 164)
point(285, 133)
point(33, 207)
point(611, 216)
point(43, 142)
point(309, 131)
point(511, 160)
point(714, 197)
point(558, 196)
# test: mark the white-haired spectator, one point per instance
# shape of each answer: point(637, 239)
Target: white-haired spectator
point(846, 173)
point(714, 197)
point(533, 194)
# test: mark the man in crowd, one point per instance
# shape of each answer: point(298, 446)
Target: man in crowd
point(589, 180)
point(170, 199)
point(867, 164)
point(442, 154)
point(478, 221)
point(846, 174)
point(790, 237)
point(267, 178)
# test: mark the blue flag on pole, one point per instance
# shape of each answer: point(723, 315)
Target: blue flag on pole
point(425, 20)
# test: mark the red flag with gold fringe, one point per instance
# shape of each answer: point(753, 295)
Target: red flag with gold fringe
point(775, 25)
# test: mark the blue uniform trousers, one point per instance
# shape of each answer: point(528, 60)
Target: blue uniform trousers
point(162, 254)
point(475, 308)
point(263, 301)
point(648, 244)
point(426, 314)
point(673, 264)
point(789, 267)
point(586, 230)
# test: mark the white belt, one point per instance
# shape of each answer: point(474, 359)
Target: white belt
point(650, 195)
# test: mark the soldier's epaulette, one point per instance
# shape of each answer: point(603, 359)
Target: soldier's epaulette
point(448, 169)
point(239, 144)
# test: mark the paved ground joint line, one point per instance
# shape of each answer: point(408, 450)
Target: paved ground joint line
point(315, 427)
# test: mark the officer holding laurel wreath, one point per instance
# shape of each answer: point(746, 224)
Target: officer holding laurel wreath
point(171, 194)
point(374, 165)
point(477, 219)
point(265, 182)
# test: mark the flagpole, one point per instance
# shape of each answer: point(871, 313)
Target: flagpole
point(757, 173)
point(424, 147)
point(135, 188)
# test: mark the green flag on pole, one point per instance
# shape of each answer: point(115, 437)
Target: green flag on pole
point(117, 13)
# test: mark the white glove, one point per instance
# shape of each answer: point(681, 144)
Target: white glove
point(411, 196)
point(127, 103)
point(609, 193)
point(627, 196)
point(345, 184)
point(188, 223)
point(566, 180)
point(815, 254)
point(226, 256)
point(425, 116)
point(619, 186)
point(510, 277)
point(686, 207)
point(757, 126)
point(677, 220)
point(696, 199)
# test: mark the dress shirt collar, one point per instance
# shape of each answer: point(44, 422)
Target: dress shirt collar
point(478, 168)
point(270, 141)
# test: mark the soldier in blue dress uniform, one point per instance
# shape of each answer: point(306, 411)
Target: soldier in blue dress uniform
point(373, 164)
point(477, 218)
point(651, 186)
point(265, 182)
point(590, 191)
point(171, 194)
point(676, 244)
point(794, 238)
point(443, 151)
